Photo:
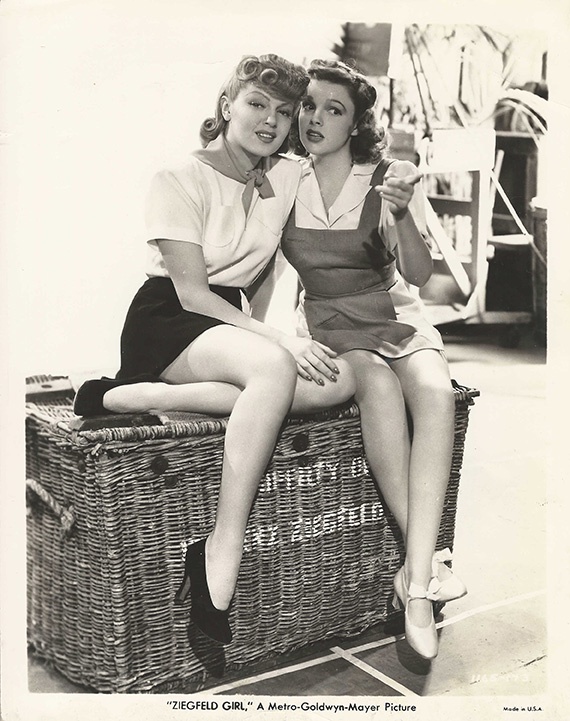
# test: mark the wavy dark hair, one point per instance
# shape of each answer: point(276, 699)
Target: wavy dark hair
point(277, 76)
point(369, 143)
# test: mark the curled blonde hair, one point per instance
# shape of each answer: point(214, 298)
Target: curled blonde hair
point(272, 73)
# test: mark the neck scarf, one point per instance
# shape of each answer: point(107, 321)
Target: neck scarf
point(218, 155)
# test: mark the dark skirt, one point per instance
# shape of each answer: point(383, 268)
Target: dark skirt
point(157, 329)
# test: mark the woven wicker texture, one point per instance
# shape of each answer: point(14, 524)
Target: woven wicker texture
point(111, 511)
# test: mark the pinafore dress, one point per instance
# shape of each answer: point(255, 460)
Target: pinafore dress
point(354, 296)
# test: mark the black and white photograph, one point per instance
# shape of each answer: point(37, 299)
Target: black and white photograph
point(283, 400)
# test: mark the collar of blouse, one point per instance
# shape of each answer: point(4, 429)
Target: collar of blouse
point(355, 189)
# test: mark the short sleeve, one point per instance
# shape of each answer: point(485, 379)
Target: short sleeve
point(174, 211)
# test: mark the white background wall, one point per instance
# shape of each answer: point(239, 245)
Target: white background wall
point(97, 95)
point(100, 95)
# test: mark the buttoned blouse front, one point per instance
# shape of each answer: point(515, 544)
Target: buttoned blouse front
point(197, 204)
point(345, 212)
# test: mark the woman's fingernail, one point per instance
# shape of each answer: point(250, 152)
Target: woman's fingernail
point(336, 370)
point(333, 378)
point(321, 382)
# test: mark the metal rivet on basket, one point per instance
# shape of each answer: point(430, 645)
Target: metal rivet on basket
point(159, 464)
point(170, 482)
point(300, 442)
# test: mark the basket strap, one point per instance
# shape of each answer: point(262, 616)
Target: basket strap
point(464, 393)
point(65, 515)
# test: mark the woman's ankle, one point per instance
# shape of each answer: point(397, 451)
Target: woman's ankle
point(222, 569)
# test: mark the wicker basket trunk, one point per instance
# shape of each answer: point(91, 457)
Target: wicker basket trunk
point(112, 508)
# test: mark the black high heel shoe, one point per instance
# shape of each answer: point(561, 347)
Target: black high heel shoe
point(209, 619)
point(89, 398)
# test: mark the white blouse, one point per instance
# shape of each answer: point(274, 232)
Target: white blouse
point(197, 204)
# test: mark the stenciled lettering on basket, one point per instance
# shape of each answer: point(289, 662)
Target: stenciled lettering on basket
point(358, 467)
point(313, 474)
point(309, 476)
point(303, 529)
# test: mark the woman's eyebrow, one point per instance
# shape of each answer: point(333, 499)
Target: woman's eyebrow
point(329, 100)
point(267, 96)
point(334, 100)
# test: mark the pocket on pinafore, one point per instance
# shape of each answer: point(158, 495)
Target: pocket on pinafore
point(328, 321)
point(320, 315)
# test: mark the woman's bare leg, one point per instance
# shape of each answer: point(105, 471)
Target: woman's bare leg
point(219, 398)
point(311, 397)
point(210, 397)
point(385, 432)
point(427, 390)
point(266, 373)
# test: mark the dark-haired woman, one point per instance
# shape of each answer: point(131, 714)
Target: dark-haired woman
point(213, 226)
point(356, 234)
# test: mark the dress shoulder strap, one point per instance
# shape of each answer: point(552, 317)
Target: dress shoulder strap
point(373, 203)
point(381, 168)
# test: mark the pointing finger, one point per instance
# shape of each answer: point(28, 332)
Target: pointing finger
point(413, 179)
point(410, 179)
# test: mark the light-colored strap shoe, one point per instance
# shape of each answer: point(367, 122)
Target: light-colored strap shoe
point(423, 639)
point(448, 588)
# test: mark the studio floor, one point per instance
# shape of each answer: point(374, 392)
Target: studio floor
point(493, 641)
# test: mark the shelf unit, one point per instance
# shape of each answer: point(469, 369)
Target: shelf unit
point(457, 291)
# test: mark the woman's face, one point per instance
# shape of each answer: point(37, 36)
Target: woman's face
point(326, 119)
point(258, 122)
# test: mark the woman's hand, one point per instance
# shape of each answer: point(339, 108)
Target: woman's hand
point(315, 361)
point(398, 186)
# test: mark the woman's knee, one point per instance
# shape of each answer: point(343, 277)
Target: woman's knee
point(233, 355)
point(373, 375)
point(280, 358)
point(436, 394)
point(272, 360)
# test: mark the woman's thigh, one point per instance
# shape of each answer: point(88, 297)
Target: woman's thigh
point(365, 361)
point(311, 397)
point(229, 354)
point(426, 383)
point(372, 373)
point(424, 369)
